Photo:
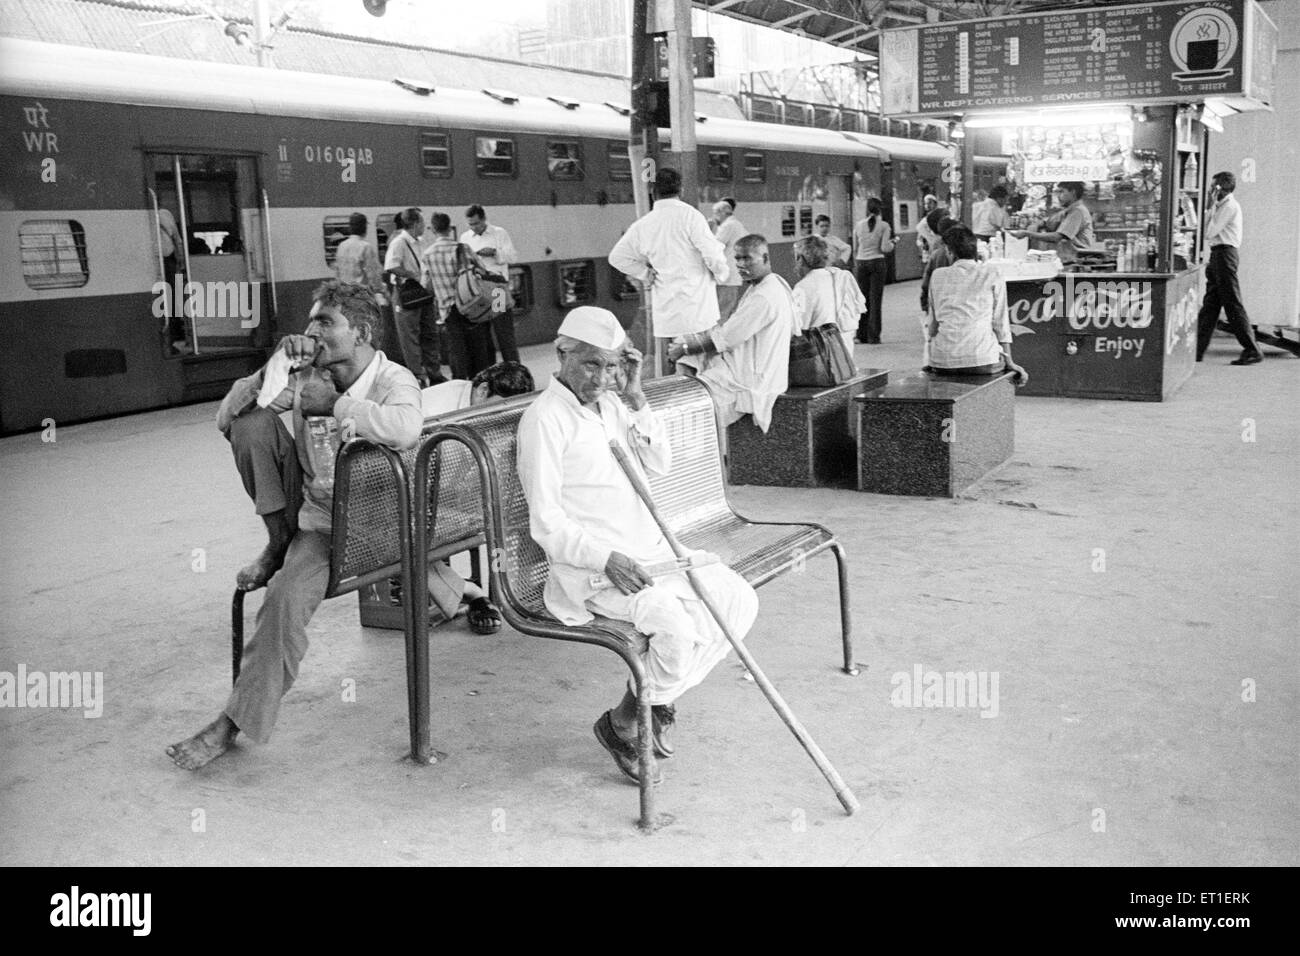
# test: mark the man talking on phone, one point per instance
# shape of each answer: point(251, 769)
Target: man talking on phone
point(1222, 291)
point(332, 370)
point(601, 539)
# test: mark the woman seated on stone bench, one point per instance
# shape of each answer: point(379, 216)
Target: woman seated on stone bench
point(825, 295)
point(969, 333)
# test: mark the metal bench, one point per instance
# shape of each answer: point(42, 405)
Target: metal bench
point(692, 499)
point(371, 544)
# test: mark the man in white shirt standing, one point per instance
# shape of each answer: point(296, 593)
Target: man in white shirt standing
point(745, 362)
point(496, 253)
point(727, 232)
point(839, 252)
point(587, 517)
point(671, 252)
point(989, 216)
point(926, 240)
point(1222, 291)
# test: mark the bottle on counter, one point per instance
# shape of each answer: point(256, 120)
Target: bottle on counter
point(1189, 172)
point(1151, 245)
point(323, 439)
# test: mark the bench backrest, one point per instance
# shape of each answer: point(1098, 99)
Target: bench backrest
point(367, 508)
point(367, 514)
point(691, 498)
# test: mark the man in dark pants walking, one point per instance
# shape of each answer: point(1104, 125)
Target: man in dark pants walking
point(1223, 236)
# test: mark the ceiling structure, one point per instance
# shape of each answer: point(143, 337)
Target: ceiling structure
point(855, 25)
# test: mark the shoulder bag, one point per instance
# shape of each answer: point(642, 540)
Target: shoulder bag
point(410, 294)
point(480, 295)
point(819, 358)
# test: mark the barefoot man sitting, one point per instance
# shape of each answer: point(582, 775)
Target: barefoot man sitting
point(331, 370)
point(588, 519)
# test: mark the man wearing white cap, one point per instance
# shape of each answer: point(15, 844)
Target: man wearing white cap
point(588, 519)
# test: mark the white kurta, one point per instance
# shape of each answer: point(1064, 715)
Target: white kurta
point(829, 296)
point(728, 233)
point(582, 508)
point(674, 239)
point(752, 365)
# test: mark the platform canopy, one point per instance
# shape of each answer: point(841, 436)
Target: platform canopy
point(856, 24)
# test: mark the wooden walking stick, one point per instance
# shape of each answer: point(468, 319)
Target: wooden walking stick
point(842, 791)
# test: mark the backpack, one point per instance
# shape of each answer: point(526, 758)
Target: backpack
point(480, 295)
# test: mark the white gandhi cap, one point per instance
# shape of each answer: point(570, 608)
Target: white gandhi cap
point(595, 326)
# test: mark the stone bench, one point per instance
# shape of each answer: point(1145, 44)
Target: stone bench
point(811, 442)
point(925, 434)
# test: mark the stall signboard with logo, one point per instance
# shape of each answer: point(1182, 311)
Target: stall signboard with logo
point(1185, 50)
point(1066, 170)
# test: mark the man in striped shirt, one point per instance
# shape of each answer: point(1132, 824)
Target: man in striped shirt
point(469, 344)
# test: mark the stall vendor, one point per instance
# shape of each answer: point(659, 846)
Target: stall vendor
point(1067, 231)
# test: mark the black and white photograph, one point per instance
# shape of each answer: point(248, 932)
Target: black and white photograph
point(665, 433)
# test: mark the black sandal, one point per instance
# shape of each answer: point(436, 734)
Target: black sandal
point(483, 617)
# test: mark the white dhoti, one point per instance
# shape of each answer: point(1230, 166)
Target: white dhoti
point(685, 642)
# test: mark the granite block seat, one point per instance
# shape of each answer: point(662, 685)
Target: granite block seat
point(810, 443)
point(926, 434)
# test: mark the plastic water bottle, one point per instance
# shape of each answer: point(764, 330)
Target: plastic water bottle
point(323, 437)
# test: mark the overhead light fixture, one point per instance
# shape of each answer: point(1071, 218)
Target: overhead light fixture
point(237, 32)
point(418, 87)
point(1086, 117)
point(1211, 114)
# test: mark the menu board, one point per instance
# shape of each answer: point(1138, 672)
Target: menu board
point(1147, 52)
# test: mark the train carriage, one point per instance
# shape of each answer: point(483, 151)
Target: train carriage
point(260, 170)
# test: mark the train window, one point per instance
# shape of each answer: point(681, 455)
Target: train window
point(564, 159)
point(435, 155)
point(719, 165)
point(521, 287)
point(787, 221)
point(335, 229)
point(805, 220)
point(755, 168)
point(622, 285)
point(620, 164)
point(53, 253)
point(494, 156)
point(577, 283)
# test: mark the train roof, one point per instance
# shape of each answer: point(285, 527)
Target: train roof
point(32, 68)
point(897, 147)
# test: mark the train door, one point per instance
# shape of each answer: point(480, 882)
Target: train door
point(839, 206)
point(214, 260)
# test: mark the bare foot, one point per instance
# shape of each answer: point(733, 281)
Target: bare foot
point(205, 746)
point(255, 575)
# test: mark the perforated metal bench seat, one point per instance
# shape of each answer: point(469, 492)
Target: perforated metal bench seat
point(692, 499)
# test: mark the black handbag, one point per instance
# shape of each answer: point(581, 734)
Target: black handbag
point(411, 295)
point(819, 358)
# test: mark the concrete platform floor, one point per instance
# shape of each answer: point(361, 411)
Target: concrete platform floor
point(1121, 735)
